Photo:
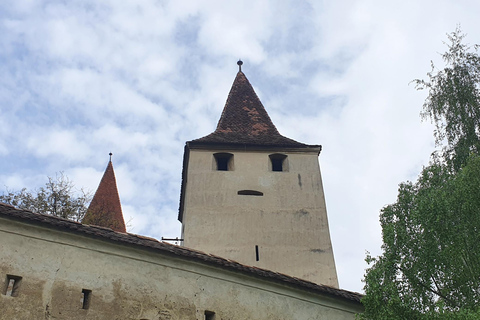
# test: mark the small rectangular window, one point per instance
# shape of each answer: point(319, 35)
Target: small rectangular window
point(224, 161)
point(278, 162)
point(257, 256)
point(12, 285)
point(86, 297)
point(209, 315)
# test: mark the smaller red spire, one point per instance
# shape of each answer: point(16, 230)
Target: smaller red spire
point(105, 209)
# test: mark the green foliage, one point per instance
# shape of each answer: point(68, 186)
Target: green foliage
point(453, 101)
point(57, 198)
point(429, 268)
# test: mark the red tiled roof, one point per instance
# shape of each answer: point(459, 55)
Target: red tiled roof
point(129, 239)
point(105, 209)
point(245, 121)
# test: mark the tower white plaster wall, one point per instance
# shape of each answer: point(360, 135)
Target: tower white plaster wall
point(287, 226)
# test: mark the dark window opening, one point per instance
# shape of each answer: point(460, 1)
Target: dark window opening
point(224, 161)
point(249, 193)
point(86, 296)
point(257, 257)
point(12, 285)
point(278, 162)
point(209, 315)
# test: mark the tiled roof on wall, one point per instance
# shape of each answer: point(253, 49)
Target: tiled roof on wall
point(128, 239)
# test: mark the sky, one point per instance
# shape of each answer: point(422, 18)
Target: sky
point(80, 79)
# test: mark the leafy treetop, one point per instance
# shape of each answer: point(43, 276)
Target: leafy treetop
point(57, 197)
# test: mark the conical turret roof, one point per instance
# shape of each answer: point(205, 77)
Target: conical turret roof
point(105, 209)
point(244, 121)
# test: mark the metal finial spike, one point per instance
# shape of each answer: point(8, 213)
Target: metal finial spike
point(239, 62)
point(110, 154)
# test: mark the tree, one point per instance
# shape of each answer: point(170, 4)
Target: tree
point(429, 268)
point(57, 198)
point(453, 101)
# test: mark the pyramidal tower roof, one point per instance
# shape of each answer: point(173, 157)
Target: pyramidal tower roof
point(244, 121)
point(105, 209)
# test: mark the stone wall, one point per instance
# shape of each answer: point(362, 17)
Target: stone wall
point(129, 282)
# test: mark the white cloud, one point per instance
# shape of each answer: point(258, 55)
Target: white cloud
point(58, 142)
point(138, 78)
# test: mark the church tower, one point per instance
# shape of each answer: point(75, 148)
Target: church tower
point(254, 196)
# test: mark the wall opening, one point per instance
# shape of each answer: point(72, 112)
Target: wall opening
point(257, 256)
point(12, 285)
point(249, 193)
point(223, 161)
point(278, 162)
point(209, 315)
point(86, 297)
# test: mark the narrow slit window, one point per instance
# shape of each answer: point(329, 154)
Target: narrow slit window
point(250, 193)
point(12, 285)
point(278, 162)
point(257, 256)
point(209, 315)
point(223, 161)
point(86, 297)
